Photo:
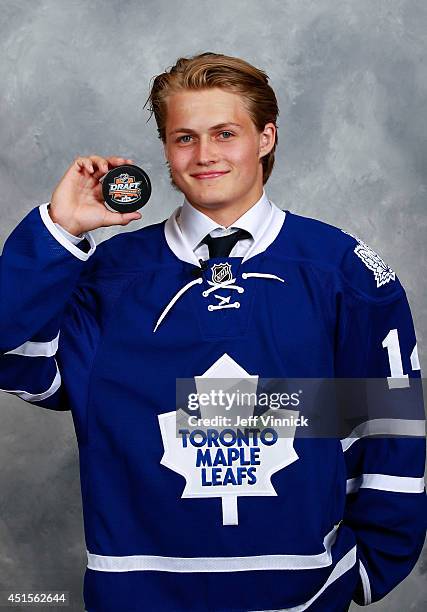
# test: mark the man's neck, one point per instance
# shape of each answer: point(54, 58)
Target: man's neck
point(227, 213)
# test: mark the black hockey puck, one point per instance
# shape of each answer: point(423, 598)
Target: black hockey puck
point(126, 188)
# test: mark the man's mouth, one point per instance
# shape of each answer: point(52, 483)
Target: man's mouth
point(209, 175)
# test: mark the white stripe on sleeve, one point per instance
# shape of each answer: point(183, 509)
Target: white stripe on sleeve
point(385, 427)
point(36, 349)
point(385, 482)
point(38, 397)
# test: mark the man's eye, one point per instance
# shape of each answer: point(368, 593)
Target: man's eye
point(227, 134)
point(180, 139)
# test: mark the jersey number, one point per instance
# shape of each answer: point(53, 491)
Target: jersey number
point(398, 379)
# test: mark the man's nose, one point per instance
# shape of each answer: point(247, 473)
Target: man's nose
point(206, 151)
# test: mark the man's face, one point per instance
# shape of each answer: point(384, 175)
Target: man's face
point(210, 131)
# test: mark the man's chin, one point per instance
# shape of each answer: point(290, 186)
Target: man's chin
point(200, 197)
point(206, 200)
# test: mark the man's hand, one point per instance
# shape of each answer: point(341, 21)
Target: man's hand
point(77, 203)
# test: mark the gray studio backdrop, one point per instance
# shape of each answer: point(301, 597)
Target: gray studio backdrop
point(351, 79)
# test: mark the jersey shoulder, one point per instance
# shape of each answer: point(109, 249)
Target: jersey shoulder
point(358, 266)
point(132, 251)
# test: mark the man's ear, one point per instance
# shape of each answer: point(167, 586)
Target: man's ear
point(267, 138)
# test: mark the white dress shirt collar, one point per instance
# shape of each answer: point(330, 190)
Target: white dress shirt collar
point(270, 223)
point(195, 225)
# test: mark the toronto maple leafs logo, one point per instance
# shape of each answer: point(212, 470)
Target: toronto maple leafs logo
point(221, 273)
point(227, 464)
point(382, 272)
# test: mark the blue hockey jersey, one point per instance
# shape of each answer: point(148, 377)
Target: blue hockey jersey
point(106, 331)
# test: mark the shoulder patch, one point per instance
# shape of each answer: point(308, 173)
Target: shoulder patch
point(382, 272)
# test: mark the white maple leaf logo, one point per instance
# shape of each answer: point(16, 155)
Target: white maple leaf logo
point(224, 470)
point(382, 272)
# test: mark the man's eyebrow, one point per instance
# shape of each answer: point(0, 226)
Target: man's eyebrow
point(214, 127)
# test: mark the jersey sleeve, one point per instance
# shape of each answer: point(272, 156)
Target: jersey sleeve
point(43, 290)
point(384, 457)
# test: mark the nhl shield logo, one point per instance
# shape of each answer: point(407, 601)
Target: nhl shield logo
point(125, 190)
point(221, 273)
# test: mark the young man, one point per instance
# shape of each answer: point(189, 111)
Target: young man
point(229, 286)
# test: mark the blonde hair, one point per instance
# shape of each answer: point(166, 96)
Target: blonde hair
point(209, 70)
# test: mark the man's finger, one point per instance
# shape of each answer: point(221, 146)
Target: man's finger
point(116, 161)
point(113, 162)
point(116, 218)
